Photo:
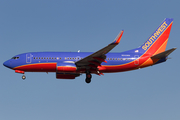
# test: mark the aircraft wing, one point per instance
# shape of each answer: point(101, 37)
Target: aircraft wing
point(94, 60)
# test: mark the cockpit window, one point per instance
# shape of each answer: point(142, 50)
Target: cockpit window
point(15, 58)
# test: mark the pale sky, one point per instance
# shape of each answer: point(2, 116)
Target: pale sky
point(151, 93)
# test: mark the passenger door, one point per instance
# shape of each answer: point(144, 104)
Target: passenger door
point(28, 58)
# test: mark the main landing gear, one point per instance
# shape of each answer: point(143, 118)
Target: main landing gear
point(88, 77)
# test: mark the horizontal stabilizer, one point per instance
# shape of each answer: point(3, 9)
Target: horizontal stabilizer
point(163, 54)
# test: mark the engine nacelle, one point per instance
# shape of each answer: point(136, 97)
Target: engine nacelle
point(66, 68)
point(66, 76)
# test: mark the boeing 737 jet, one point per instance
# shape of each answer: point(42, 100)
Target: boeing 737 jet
point(69, 65)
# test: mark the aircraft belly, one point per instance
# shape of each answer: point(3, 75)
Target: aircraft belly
point(39, 67)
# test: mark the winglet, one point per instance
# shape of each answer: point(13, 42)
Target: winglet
point(118, 38)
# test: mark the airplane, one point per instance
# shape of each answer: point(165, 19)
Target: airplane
point(69, 65)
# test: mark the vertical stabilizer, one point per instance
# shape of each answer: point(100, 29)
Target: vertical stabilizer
point(157, 42)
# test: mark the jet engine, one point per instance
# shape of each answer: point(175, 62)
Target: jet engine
point(66, 75)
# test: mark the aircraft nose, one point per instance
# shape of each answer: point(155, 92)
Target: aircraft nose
point(6, 64)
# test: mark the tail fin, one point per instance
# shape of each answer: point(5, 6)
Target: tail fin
point(157, 42)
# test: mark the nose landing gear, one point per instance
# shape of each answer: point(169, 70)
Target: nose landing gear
point(22, 72)
point(23, 77)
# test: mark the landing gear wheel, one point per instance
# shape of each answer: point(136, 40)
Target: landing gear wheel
point(88, 77)
point(23, 77)
point(88, 80)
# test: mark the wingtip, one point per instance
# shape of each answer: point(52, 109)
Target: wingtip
point(118, 38)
